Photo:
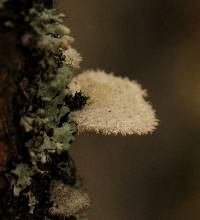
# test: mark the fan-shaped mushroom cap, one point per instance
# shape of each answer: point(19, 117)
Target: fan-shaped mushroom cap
point(116, 105)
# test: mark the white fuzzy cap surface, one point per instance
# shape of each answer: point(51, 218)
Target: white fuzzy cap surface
point(68, 201)
point(116, 105)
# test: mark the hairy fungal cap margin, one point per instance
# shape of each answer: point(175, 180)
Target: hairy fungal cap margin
point(116, 105)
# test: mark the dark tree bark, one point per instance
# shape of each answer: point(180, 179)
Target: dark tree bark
point(21, 77)
point(11, 63)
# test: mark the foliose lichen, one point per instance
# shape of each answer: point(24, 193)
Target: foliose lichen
point(42, 103)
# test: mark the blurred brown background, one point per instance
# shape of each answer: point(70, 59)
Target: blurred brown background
point(154, 177)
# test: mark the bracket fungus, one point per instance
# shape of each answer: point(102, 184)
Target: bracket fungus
point(68, 201)
point(116, 105)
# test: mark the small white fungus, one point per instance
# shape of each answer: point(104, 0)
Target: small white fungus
point(116, 105)
point(72, 58)
point(68, 201)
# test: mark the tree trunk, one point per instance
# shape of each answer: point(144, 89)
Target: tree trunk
point(11, 63)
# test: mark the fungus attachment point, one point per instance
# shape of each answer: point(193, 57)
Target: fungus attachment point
point(116, 105)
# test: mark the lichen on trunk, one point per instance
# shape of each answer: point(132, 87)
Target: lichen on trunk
point(35, 130)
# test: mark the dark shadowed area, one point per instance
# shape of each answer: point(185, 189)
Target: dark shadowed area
point(153, 177)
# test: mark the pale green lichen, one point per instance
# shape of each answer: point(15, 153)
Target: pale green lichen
point(47, 30)
point(52, 90)
point(51, 131)
point(32, 201)
point(58, 143)
point(23, 175)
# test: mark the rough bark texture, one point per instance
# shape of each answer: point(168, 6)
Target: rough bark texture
point(11, 61)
